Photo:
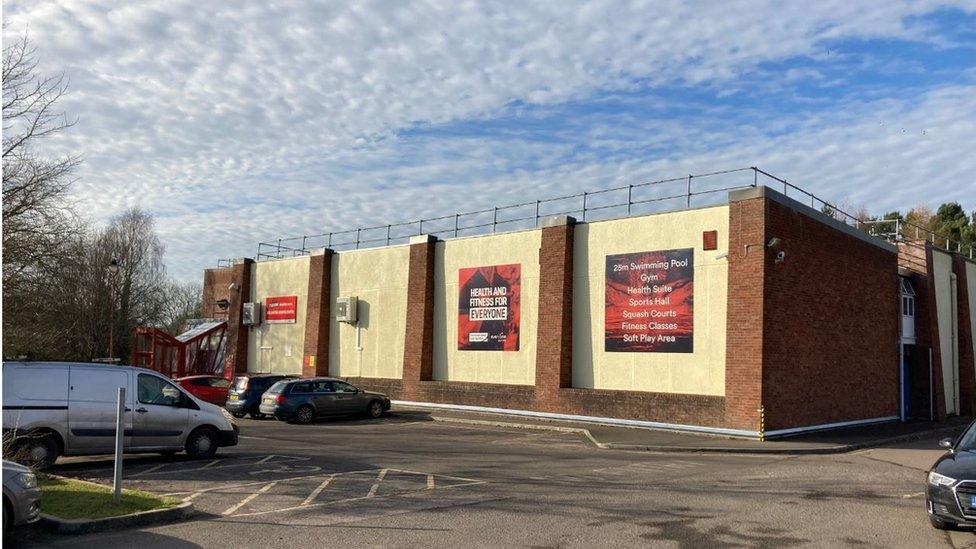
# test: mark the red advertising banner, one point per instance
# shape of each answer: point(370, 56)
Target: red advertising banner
point(488, 308)
point(281, 309)
point(650, 302)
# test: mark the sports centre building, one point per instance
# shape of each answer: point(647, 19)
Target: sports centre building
point(724, 303)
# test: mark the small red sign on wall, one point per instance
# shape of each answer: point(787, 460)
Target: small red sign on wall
point(282, 309)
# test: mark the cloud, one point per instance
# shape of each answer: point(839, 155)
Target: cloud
point(236, 122)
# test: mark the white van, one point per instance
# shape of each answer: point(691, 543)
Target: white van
point(57, 408)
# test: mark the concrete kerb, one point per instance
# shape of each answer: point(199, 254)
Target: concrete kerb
point(832, 449)
point(59, 525)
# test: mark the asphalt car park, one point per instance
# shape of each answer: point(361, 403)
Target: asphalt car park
point(403, 481)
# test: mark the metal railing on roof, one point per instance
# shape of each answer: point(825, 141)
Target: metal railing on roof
point(621, 201)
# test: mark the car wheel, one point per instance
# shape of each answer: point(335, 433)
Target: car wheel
point(239, 415)
point(941, 524)
point(304, 414)
point(201, 444)
point(38, 452)
point(375, 409)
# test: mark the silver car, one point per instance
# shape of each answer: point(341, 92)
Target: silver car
point(52, 409)
point(21, 496)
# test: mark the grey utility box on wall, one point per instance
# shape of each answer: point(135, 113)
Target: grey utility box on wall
point(346, 309)
point(251, 315)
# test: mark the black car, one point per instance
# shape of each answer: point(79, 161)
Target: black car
point(302, 400)
point(244, 396)
point(951, 494)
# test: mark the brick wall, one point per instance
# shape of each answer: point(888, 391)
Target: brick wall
point(918, 354)
point(418, 347)
point(315, 361)
point(830, 324)
point(812, 339)
point(215, 288)
point(554, 351)
point(744, 325)
point(237, 333)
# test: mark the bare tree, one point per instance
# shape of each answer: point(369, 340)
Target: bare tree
point(38, 223)
point(139, 286)
point(35, 217)
point(183, 301)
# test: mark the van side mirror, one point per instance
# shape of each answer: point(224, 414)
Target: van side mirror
point(946, 443)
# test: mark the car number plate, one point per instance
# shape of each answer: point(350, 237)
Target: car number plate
point(269, 401)
point(234, 397)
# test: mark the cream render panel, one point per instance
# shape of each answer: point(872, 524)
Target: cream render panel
point(278, 348)
point(374, 346)
point(511, 367)
point(946, 313)
point(699, 372)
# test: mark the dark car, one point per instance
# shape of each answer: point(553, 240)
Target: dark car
point(951, 494)
point(302, 400)
point(244, 396)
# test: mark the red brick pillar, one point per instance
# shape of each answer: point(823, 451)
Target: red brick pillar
point(967, 362)
point(418, 347)
point(317, 314)
point(554, 348)
point(744, 328)
point(237, 333)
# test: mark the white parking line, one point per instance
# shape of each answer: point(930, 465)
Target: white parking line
point(211, 464)
point(151, 469)
point(252, 483)
point(246, 500)
point(347, 500)
point(315, 493)
point(376, 485)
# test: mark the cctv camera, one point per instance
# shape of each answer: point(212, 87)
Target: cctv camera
point(780, 256)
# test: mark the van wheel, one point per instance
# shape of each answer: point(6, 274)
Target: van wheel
point(375, 409)
point(201, 444)
point(37, 452)
point(304, 414)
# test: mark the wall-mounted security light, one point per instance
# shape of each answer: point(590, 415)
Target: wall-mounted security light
point(232, 286)
point(774, 242)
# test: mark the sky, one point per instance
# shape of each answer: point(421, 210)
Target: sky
point(240, 122)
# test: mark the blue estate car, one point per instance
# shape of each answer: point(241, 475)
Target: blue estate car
point(244, 396)
point(303, 400)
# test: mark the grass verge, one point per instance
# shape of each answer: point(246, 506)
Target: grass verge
point(72, 499)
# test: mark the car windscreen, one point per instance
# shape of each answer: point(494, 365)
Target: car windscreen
point(278, 388)
point(968, 440)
